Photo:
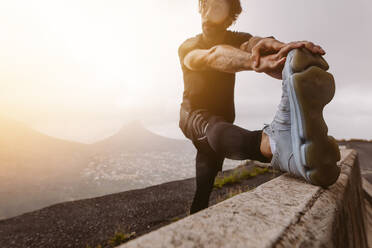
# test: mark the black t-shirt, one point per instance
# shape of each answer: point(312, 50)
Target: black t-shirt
point(210, 89)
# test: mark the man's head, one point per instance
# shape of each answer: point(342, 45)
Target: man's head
point(218, 15)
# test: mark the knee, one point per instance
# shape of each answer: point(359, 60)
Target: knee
point(216, 130)
point(227, 140)
point(265, 147)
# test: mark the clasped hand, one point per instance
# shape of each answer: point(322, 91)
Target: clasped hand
point(269, 54)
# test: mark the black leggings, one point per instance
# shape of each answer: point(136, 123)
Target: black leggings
point(216, 139)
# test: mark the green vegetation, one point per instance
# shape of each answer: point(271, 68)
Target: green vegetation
point(238, 175)
point(174, 219)
point(235, 192)
point(98, 246)
point(118, 239)
point(232, 192)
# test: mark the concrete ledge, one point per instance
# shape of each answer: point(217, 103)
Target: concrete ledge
point(285, 212)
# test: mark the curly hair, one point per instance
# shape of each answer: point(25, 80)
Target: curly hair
point(235, 8)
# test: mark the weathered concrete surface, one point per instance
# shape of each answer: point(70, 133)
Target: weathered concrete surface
point(285, 212)
point(368, 223)
point(336, 218)
point(367, 190)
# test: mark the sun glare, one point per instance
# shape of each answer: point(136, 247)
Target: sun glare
point(81, 54)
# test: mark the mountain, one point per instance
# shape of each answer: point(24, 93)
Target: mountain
point(37, 170)
point(25, 151)
point(135, 137)
point(94, 221)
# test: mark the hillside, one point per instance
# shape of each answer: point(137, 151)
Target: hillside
point(37, 170)
point(94, 221)
point(24, 149)
point(135, 137)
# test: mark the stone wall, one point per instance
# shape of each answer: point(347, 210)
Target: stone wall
point(284, 212)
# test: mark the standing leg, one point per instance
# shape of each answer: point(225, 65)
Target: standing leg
point(207, 167)
point(215, 139)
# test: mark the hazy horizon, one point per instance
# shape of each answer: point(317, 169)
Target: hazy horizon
point(80, 70)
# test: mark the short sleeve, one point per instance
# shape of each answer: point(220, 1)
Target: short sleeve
point(186, 47)
point(238, 38)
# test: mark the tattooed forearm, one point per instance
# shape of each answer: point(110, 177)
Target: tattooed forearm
point(221, 57)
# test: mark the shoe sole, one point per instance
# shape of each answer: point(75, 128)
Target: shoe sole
point(310, 89)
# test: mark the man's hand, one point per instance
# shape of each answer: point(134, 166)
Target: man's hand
point(272, 65)
point(269, 46)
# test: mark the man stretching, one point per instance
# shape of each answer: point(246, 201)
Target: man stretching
point(296, 141)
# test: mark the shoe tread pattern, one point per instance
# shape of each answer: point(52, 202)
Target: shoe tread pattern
point(314, 88)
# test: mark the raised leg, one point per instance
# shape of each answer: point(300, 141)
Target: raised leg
point(234, 142)
point(303, 147)
point(310, 89)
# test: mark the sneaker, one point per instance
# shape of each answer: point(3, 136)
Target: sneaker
point(279, 132)
point(310, 88)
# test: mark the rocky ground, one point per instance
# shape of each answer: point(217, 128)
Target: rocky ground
point(106, 221)
point(364, 150)
point(116, 218)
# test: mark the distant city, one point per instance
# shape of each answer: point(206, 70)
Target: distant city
point(37, 170)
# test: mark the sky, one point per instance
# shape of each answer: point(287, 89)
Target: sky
point(80, 70)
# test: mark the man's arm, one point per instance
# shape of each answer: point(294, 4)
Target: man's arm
point(223, 58)
point(269, 45)
point(252, 42)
